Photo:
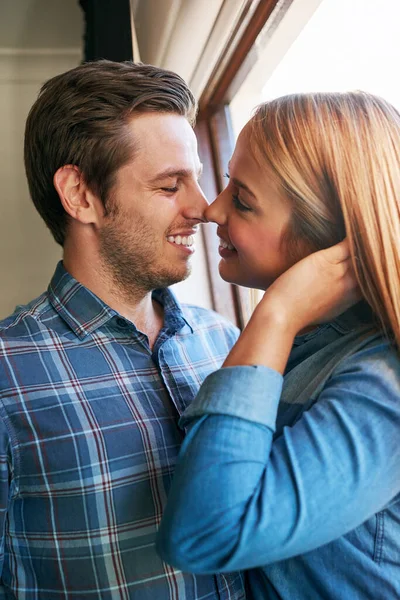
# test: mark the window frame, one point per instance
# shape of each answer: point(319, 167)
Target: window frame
point(216, 140)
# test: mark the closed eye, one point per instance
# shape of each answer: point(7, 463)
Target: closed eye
point(170, 190)
point(238, 204)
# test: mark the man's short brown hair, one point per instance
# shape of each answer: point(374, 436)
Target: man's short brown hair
point(80, 118)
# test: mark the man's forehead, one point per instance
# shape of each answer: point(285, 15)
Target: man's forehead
point(165, 145)
point(150, 127)
point(177, 172)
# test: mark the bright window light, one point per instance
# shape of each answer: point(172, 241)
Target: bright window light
point(344, 45)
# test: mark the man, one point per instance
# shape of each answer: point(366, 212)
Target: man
point(95, 373)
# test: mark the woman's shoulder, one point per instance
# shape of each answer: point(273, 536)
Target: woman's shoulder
point(377, 351)
point(375, 364)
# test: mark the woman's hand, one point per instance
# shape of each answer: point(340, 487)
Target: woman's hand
point(314, 290)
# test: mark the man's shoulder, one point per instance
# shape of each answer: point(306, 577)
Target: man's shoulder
point(205, 318)
point(26, 318)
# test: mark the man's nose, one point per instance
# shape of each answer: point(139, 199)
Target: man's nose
point(202, 200)
point(197, 205)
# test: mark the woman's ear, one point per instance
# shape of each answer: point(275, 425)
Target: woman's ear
point(78, 201)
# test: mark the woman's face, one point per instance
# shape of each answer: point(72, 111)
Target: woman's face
point(252, 215)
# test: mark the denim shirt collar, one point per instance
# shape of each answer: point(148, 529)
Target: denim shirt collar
point(356, 316)
point(84, 312)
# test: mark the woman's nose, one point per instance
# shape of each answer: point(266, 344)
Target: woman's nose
point(215, 212)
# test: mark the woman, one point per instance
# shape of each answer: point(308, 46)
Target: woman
point(291, 464)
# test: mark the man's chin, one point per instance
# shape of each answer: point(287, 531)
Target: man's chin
point(172, 278)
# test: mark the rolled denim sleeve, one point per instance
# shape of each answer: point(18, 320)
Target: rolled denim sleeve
point(250, 393)
point(241, 500)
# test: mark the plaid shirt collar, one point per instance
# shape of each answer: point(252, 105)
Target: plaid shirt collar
point(84, 312)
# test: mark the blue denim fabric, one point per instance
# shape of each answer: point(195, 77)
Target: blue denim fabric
point(302, 489)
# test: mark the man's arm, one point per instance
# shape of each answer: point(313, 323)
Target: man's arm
point(4, 492)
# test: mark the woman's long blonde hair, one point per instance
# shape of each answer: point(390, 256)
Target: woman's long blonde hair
point(337, 158)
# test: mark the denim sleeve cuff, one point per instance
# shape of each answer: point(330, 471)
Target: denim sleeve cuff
point(247, 392)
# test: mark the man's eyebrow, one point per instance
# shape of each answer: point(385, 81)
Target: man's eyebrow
point(176, 173)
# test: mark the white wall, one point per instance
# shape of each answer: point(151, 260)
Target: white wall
point(28, 253)
point(40, 24)
point(38, 39)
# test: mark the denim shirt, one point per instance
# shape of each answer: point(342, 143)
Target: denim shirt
point(303, 490)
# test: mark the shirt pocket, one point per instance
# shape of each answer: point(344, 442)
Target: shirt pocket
point(368, 538)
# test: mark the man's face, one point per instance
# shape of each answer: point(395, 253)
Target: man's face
point(155, 206)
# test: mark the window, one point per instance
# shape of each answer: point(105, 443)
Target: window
point(330, 45)
point(294, 46)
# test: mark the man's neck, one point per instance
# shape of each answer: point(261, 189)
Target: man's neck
point(137, 306)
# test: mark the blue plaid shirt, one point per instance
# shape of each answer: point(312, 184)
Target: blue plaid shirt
point(88, 443)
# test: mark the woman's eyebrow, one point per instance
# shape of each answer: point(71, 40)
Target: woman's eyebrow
point(242, 185)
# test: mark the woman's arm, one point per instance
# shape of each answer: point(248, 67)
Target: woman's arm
point(239, 500)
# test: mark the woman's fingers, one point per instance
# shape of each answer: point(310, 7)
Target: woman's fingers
point(316, 289)
point(336, 254)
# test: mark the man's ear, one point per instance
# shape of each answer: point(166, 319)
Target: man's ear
point(78, 201)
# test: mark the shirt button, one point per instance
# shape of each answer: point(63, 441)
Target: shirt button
point(122, 323)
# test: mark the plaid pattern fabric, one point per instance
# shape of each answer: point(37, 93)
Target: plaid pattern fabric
point(88, 443)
